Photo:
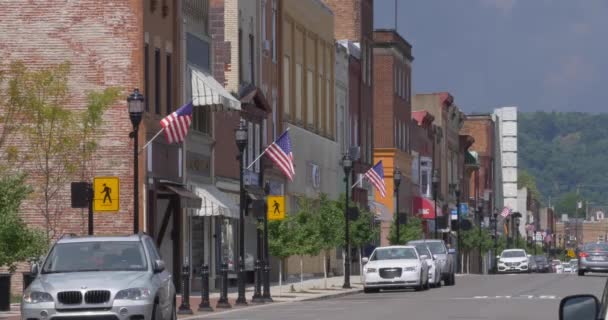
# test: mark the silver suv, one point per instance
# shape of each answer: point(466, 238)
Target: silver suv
point(94, 277)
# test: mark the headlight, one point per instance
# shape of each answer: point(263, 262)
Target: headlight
point(500, 261)
point(370, 270)
point(36, 297)
point(133, 294)
point(410, 269)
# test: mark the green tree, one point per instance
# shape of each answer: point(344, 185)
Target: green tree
point(363, 231)
point(280, 243)
point(567, 204)
point(407, 232)
point(328, 220)
point(525, 179)
point(305, 233)
point(63, 139)
point(17, 241)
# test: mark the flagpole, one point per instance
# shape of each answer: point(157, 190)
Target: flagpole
point(261, 154)
point(356, 183)
point(153, 138)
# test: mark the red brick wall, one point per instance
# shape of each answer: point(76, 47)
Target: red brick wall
point(103, 40)
point(225, 123)
point(347, 19)
point(384, 106)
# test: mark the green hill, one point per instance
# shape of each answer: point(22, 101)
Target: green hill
point(563, 151)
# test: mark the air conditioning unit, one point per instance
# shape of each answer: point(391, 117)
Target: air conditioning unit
point(266, 45)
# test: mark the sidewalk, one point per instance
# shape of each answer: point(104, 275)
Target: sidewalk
point(312, 289)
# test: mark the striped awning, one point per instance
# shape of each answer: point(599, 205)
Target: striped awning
point(215, 203)
point(207, 92)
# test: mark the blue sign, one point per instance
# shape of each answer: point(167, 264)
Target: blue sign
point(464, 209)
point(454, 214)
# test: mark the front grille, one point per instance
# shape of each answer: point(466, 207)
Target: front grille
point(512, 264)
point(70, 297)
point(87, 318)
point(390, 273)
point(97, 296)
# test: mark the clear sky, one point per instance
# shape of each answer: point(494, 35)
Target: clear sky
point(549, 55)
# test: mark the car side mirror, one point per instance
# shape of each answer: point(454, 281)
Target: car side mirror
point(529, 256)
point(579, 307)
point(365, 260)
point(34, 269)
point(435, 257)
point(451, 251)
point(424, 257)
point(497, 257)
point(159, 266)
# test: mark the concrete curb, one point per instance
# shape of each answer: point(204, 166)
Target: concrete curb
point(259, 306)
point(332, 296)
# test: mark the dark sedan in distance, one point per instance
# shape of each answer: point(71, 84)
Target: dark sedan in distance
point(542, 264)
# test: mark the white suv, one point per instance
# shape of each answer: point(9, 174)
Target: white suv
point(513, 260)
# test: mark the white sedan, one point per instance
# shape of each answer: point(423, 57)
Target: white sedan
point(395, 267)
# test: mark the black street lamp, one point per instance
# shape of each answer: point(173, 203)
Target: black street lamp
point(457, 192)
point(266, 290)
point(435, 191)
point(135, 104)
point(397, 181)
point(494, 221)
point(241, 143)
point(347, 164)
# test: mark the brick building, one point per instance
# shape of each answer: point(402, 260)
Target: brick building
point(392, 119)
point(480, 155)
point(354, 28)
point(448, 119)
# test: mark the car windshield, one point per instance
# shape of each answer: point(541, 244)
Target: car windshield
point(513, 254)
point(596, 246)
point(540, 259)
point(423, 249)
point(394, 254)
point(96, 256)
point(436, 247)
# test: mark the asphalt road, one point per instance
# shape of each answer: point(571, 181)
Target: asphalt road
point(521, 296)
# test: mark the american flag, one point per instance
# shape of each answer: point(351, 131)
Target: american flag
point(176, 124)
point(505, 212)
point(376, 175)
point(280, 152)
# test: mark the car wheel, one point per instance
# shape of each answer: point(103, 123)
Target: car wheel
point(581, 273)
point(452, 279)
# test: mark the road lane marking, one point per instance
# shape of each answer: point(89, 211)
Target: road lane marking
point(521, 297)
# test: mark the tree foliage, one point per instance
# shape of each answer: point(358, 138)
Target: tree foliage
point(407, 232)
point(17, 241)
point(526, 180)
point(563, 151)
point(60, 141)
point(567, 204)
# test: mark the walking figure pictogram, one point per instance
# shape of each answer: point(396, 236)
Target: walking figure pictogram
point(106, 191)
point(276, 208)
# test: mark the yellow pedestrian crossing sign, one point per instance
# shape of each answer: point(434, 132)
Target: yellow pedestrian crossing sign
point(571, 253)
point(106, 197)
point(276, 207)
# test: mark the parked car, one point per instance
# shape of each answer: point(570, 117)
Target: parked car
point(532, 264)
point(445, 258)
point(434, 273)
point(567, 267)
point(574, 265)
point(557, 266)
point(395, 267)
point(593, 256)
point(542, 264)
point(513, 260)
point(101, 277)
